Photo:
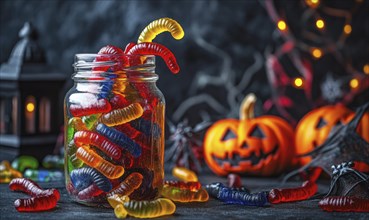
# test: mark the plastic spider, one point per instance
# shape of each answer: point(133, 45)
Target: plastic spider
point(184, 145)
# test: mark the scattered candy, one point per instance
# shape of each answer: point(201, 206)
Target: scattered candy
point(145, 209)
point(43, 175)
point(159, 26)
point(53, 162)
point(23, 162)
point(7, 173)
point(344, 204)
point(158, 50)
point(184, 195)
point(130, 184)
point(41, 200)
point(307, 190)
point(214, 189)
point(237, 196)
point(193, 186)
point(184, 174)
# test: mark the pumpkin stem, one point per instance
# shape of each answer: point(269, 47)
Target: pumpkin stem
point(247, 107)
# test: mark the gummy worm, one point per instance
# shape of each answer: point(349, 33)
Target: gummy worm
point(159, 26)
point(130, 184)
point(214, 189)
point(104, 144)
point(344, 204)
point(184, 195)
point(119, 138)
point(123, 115)
point(184, 174)
point(83, 177)
point(72, 149)
point(94, 160)
point(129, 46)
point(90, 120)
point(237, 195)
point(193, 186)
point(30, 187)
point(307, 190)
point(145, 209)
point(158, 50)
point(89, 192)
point(39, 203)
point(75, 124)
point(146, 127)
point(101, 106)
point(229, 195)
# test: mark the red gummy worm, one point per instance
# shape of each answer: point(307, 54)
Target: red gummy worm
point(118, 101)
point(113, 50)
point(193, 186)
point(344, 204)
point(25, 185)
point(304, 192)
point(101, 142)
point(89, 192)
point(39, 203)
point(147, 48)
point(101, 106)
point(31, 188)
point(129, 46)
point(234, 180)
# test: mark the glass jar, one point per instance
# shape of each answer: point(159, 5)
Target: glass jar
point(114, 129)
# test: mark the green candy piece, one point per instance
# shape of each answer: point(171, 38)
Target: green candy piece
point(23, 162)
point(90, 120)
point(72, 149)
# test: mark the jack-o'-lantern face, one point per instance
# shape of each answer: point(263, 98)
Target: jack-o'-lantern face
point(314, 128)
point(257, 146)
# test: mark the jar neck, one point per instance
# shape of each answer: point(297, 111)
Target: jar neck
point(108, 67)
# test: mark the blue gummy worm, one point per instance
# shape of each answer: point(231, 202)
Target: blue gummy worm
point(83, 177)
point(237, 195)
point(119, 138)
point(146, 127)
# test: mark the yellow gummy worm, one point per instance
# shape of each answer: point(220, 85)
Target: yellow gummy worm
point(184, 195)
point(159, 26)
point(184, 174)
point(145, 209)
point(123, 115)
point(116, 199)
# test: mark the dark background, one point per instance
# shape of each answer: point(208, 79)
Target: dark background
point(221, 38)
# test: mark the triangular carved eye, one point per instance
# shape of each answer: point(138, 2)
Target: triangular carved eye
point(229, 135)
point(257, 132)
point(321, 123)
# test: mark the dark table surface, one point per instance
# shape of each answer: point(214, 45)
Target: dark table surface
point(213, 209)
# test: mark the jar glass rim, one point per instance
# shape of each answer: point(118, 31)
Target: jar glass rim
point(87, 65)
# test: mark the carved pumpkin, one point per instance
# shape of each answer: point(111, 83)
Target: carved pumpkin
point(260, 146)
point(314, 128)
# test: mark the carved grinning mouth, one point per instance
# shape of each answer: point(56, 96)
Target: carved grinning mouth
point(236, 158)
